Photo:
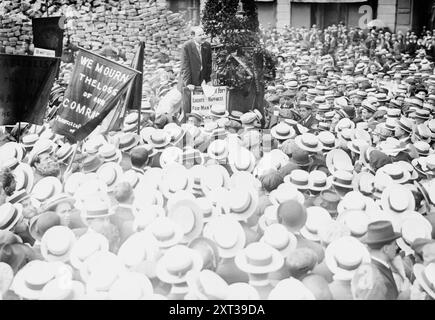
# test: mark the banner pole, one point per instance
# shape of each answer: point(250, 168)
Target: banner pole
point(68, 168)
point(19, 132)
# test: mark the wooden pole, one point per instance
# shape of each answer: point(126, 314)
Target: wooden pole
point(68, 168)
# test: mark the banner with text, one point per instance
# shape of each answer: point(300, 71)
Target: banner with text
point(95, 87)
point(201, 103)
point(25, 84)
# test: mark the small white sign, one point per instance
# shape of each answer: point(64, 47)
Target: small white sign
point(201, 104)
point(44, 53)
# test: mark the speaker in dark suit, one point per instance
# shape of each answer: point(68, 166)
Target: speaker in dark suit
point(196, 65)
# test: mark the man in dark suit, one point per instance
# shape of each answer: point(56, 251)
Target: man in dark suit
point(381, 241)
point(196, 65)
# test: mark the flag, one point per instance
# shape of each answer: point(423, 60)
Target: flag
point(96, 86)
point(133, 98)
point(25, 84)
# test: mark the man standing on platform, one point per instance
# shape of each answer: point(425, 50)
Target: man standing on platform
point(196, 65)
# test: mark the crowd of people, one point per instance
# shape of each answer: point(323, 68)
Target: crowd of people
point(326, 194)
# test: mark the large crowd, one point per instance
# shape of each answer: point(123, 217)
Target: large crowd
point(327, 193)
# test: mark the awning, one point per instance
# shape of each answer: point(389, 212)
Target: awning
point(329, 1)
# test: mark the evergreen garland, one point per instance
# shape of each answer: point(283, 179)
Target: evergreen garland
point(238, 34)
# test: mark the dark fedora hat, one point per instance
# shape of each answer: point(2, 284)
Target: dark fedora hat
point(301, 157)
point(329, 200)
point(380, 233)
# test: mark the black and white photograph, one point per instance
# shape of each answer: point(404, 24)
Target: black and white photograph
point(238, 151)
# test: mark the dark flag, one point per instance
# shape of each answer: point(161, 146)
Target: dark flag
point(25, 84)
point(95, 88)
point(132, 99)
point(48, 34)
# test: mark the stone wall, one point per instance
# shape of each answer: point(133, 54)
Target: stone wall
point(97, 21)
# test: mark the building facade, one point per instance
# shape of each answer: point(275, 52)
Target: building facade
point(396, 15)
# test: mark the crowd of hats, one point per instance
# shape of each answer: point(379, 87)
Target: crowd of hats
point(221, 209)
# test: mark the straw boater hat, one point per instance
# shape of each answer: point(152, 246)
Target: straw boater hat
point(46, 188)
point(29, 141)
point(327, 140)
point(259, 258)
point(298, 178)
point(110, 153)
point(219, 111)
point(242, 202)
point(24, 177)
point(397, 199)
point(291, 289)
point(344, 255)
point(57, 243)
point(139, 253)
point(188, 215)
point(171, 155)
point(145, 214)
point(342, 179)
point(10, 215)
point(308, 142)
point(146, 132)
point(99, 272)
point(131, 286)
point(316, 217)
point(64, 152)
point(356, 221)
point(59, 289)
point(207, 285)
point(244, 178)
point(218, 150)
point(111, 174)
point(283, 131)
point(12, 150)
point(338, 159)
point(88, 244)
point(159, 138)
point(318, 181)
point(286, 192)
point(175, 178)
point(242, 160)
point(128, 141)
point(278, 237)
point(177, 261)
point(413, 227)
point(32, 278)
point(166, 231)
point(356, 201)
point(214, 176)
point(228, 235)
point(425, 165)
point(425, 276)
point(96, 207)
